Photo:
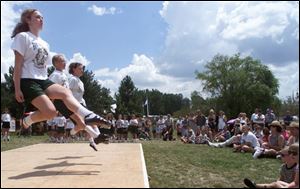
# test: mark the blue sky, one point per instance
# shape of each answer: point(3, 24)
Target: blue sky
point(161, 44)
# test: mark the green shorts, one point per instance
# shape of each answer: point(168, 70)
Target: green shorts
point(32, 88)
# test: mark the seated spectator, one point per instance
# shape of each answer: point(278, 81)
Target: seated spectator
point(285, 133)
point(289, 171)
point(201, 137)
point(294, 133)
point(206, 131)
point(222, 135)
point(266, 134)
point(190, 137)
point(275, 142)
point(258, 131)
point(237, 128)
point(249, 142)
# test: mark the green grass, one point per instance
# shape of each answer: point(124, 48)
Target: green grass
point(174, 164)
point(21, 141)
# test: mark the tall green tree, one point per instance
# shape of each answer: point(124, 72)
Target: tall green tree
point(127, 98)
point(8, 99)
point(239, 84)
point(97, 98)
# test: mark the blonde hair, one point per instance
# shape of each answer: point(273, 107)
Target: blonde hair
point(56, 58)
point(23, 26)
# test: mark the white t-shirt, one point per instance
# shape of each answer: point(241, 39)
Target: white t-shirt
point(134, 122)
point(77, 88)
point(126, 123)
point(60, 121)
point(221, 123)
point(70, 124)
point(251, 138)
point(59, 77)
point(36, 55)
point(6, 117)
point(120, 123)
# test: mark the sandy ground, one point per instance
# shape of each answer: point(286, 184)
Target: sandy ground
point(115, 165)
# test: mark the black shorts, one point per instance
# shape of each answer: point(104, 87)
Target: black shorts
point(6, 125)
point(133, 129)
point(32, 88)
point(51, 128)
point(60, 129)
point(121, 131)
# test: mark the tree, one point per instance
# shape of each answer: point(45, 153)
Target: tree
point(239, 84)
point(8, 99)
point(97, 98)
point(127, 98)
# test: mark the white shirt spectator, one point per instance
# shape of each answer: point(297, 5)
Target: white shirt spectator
point(6, 117)
point(126, 124)
point(250, 138)
point(60, 121)
point(221, 123)
point(134, 122)
point(120, 123)
point(259, 119)
point(70, 124)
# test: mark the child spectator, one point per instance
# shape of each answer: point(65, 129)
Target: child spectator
point(289, 171)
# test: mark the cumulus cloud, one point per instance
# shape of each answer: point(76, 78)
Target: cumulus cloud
point(9, 18)
point(78, 57)
point(197, 31)
point(288, 77)
point(145, 75)
point(100, 11)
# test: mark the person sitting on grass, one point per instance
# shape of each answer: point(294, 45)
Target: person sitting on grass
point(223, 135)
point(289, 171)
point(190, 138)
point(275, 141)
point(201, 137)
point(249, 142)
point(294, 133)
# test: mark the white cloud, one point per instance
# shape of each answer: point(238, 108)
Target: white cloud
point(145, 75)
point(259, 20)
point(288, 77)
point(9, 18)
point(100, 11)
point(77, 57)
point(197, 31)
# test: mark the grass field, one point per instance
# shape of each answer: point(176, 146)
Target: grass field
point(21, 141)
point(173, 164)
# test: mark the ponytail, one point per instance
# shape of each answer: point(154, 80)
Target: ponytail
point(22, 26)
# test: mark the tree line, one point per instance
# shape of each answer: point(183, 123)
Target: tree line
point(233, 83)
